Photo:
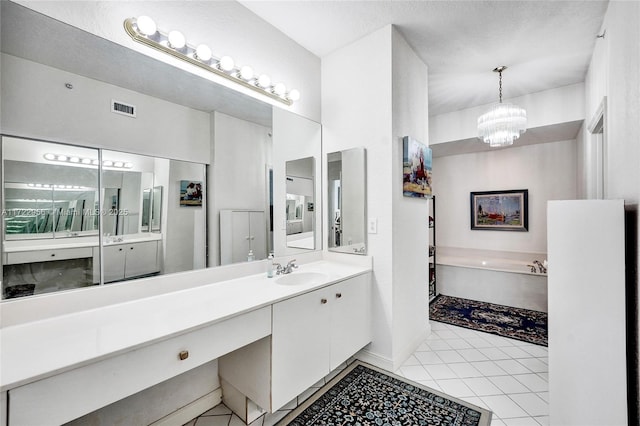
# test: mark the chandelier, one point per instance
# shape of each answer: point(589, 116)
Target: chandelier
point(503, 123)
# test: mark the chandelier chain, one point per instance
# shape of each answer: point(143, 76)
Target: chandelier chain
point(500, 83)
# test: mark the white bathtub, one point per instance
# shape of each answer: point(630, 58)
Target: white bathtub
point(492, 276)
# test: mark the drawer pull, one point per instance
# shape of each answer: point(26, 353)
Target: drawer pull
point(323, 300)
point(183, 355)
point(338, 295)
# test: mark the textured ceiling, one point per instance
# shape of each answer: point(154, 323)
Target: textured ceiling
point(545, 44)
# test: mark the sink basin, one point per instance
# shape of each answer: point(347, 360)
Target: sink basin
point(297, 278)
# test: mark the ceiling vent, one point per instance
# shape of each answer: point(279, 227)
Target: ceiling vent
point(122, 108)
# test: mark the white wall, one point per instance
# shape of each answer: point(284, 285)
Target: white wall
point(385, 103)
point(548, 171)
point(227, 26)
point(238, 176)
point(36, 104)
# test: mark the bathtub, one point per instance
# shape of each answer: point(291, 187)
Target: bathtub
point(492, 276)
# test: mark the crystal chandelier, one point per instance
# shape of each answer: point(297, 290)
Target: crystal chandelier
point(503, 123)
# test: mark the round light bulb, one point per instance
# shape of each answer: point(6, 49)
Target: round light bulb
point(62, 158)
point(128, 165)
point(176, 39)
point(203, 53)
point(279, 89)
point(107, 163)
point(74, 160)
point(294, 95)
point(50, 156)
point(118, 164)
point(226, 63)
point(38, 185)
point(246, 73)
point(264, 80)
point(146, 25)
point(86, 161)
point(46, 185)
point(95, 162)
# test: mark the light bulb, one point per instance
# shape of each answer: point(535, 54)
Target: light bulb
point(246, 73)
point(74, 160)
point(95, 162)
point(86, 161)
point(146, 25)
point(279, 89)
point(226, 63)
point(294, 95)
point(38, 185)
point(203, 53)
point(118, 164)
point(50, 156)
point(62, 158)
point(128, 165)
point(264, 81)
point(176, 39)
point(107, 163)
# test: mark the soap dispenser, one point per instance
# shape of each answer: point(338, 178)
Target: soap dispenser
point(250, 256)
point(270, 266)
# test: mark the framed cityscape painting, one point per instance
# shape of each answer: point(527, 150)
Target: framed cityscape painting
point(500, 210)
point(416, 170)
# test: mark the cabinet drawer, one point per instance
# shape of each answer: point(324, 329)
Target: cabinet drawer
point(48, 255)
point(66, 396)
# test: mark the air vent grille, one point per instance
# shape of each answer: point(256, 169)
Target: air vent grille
point(123, 109)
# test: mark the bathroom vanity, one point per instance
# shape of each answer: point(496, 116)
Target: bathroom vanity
point(281, 334)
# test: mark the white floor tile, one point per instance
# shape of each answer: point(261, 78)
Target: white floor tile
point(455, 387)
point(544, 375)
point(447, 334)
point(481, 386)
point(488, 368)
point(439, 344)
point(532, 381)
point(504, 407)
point(475, 400)
point(412, 360)
point(435, 326)
point(543, 420)
point(478, 342)
point(508, 384)
point(521, 421)
point(440, 371)
point(536, 350)
point(415, 372)
point(222, 420)
point(497, 422)
point(465, 369)
point(534, 364)
point(544, 396)
point(494, 353)
point(531, 403)
point(511, 366)
point(271, 419)
point(465, 332)
point(472, 355)
point(450, 356)
point(218, 410)
point(428, 357)
point(431, 384)
point(461, 344)
point(516, 352)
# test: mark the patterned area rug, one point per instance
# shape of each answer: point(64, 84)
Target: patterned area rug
point(515, 323)
point(365, 395)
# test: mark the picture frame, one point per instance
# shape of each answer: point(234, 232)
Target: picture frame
point(191, 192)
point(416, 169)
point(500, 210)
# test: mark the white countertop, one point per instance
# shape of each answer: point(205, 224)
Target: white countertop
point(34, 350)
point(32, 244)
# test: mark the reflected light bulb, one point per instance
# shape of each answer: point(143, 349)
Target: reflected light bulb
point(86, 161)
point(62, 158)
point(176, 39)
point(95, 162)
point(203, 53)
point(118, 164)
point(128, 165)
point(50, 156)
point(264, 81)
point(294, 95)
point(226, 63)
point(74, 160)
point(107, 163)
point(146, 25)
point(279, 89)
point(246, 73)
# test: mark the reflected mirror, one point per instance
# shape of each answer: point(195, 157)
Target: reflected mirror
point(347, 189)
point(300, 203)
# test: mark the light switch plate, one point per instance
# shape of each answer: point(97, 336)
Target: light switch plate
point(373, 225)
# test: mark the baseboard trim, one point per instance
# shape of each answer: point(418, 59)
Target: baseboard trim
point(375, 359)
point(392, 365)
point(192, 410)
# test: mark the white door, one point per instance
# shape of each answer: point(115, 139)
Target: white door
point(258, 234)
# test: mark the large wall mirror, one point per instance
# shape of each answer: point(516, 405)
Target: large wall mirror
point(126, 218)
point(346, 203)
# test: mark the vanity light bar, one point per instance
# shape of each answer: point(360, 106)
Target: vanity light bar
point(52, 186)
point(74, 159)
point(144, 30)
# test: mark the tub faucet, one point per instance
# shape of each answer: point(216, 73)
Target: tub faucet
point(541, 267)
point(533, 268)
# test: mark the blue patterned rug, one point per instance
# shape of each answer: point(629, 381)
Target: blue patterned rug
point(516, 323)
point(364, 395)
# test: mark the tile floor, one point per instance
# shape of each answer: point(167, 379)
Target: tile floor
point(506, 376)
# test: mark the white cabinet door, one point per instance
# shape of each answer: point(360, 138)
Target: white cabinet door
point(141, 259)
point(241, 231)
point(113, 262)
point(300, 345)
point(350, 303)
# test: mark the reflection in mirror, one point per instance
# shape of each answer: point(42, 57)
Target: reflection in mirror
point(51, 219)
point(347, 190)
point(300, 202)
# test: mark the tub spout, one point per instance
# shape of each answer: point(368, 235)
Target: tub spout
point(533, 268)
point(541, 267)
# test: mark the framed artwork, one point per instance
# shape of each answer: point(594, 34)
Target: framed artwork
point(190, 193)
point(416, 170)
point(500, 210)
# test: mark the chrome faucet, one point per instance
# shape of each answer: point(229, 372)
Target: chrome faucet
point(541, 267)
point(285, 269)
